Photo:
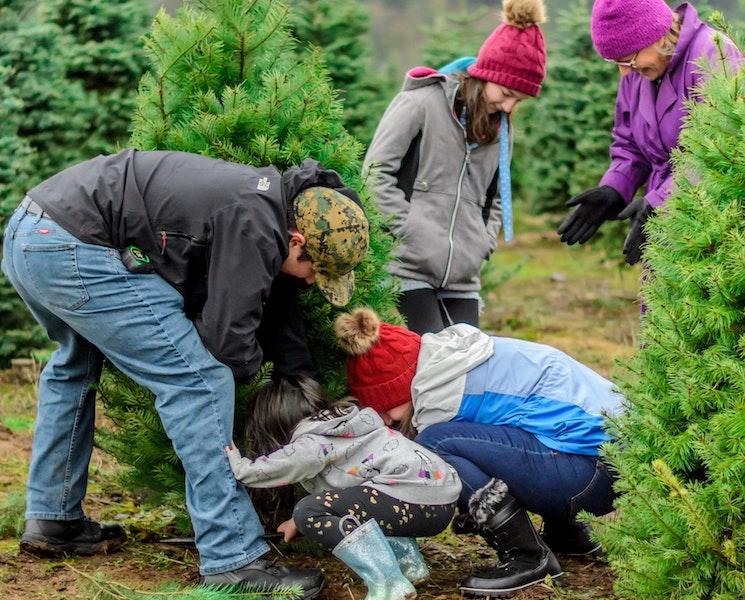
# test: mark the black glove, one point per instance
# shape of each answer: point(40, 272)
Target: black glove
point(639, 210)
point(594, 207)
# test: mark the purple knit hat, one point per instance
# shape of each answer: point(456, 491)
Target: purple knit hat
point(622, 27)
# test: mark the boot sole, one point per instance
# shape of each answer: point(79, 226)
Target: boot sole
point(46, 549)
point(506, 592)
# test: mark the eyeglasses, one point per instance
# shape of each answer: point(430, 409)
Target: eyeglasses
point(630, 64)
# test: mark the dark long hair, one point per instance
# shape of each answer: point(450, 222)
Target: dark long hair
point(274, 414)
point(277, 409)
point(481, 127)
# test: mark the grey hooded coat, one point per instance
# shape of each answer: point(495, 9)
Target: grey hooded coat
point(440, 222)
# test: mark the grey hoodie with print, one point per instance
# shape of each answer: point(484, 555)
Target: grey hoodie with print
point(350, 450)
point(441, 230)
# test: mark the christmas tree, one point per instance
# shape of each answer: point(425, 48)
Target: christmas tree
point(106, 55)
point(340, 29)
point(51, 120)
point(16, 157)
point(680, 531)
point(68, 74)
point(563, 138)
point(227, 80)
point(40, 130)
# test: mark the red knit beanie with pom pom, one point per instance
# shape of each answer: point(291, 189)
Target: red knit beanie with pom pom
point(514, 55)
point(382, 361)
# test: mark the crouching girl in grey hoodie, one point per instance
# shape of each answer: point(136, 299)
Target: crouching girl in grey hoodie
point(372, 490)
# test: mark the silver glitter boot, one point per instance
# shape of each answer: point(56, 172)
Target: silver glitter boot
point(367, 552)
point(410, 559)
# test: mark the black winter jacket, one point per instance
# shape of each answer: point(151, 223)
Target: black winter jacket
point(216, 231)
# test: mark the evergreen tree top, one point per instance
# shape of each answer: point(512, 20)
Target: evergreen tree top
point(226, 82)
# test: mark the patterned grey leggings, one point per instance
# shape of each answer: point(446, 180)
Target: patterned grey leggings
point(329, 516)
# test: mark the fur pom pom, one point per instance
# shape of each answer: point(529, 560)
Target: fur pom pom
point(356, 332)
point(523, 13)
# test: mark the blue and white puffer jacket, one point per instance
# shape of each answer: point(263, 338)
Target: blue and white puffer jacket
point(464, 374)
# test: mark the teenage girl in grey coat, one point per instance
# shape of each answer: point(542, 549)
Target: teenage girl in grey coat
point(440, 163)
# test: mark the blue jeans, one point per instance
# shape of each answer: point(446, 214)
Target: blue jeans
point(547, 482)
point(92, 306)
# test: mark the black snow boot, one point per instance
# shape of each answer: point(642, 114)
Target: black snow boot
point(524, 559)
point(570, 538)
point(463, 524)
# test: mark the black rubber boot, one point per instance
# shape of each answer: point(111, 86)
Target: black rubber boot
point(570, 538)
point(267, 576)
point(524, 559)
point(81, 536)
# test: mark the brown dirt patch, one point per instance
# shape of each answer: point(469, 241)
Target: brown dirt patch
point(146, 567)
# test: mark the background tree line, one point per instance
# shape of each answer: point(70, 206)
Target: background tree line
point(69, 71)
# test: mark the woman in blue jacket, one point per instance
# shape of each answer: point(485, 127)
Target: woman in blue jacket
point(521, 422)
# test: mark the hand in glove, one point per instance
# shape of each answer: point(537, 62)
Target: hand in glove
point(638, 211)
point(594, 207)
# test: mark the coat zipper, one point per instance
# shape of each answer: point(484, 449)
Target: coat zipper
point(466, 162)
point(164, 235)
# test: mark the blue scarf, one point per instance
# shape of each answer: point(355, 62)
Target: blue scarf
point(505, 180)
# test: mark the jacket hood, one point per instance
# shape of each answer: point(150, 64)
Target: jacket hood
point(420, 77)
point(444, 360)
point(688, 31)
point(351, 424)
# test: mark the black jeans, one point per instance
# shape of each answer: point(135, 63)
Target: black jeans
point(426, 313)
point(329, 516)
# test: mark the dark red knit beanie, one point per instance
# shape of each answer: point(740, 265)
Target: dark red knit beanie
point(382, 361)
point(514, 55)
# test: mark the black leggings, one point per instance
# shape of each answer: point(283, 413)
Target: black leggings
point(329, 516)
point(426, 313)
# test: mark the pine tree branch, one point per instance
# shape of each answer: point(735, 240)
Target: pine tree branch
point(643, 498)
point(304, 108)
point(271, 33)
point(646, 576)
point(101, 587)
point(665, 473)
point(294, 90)
point(242, 55)
point(719, 42)
point(122, 592)
point(247, 11)
point(162, 78)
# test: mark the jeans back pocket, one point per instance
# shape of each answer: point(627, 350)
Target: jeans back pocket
point(597, 498)
point(53, 272)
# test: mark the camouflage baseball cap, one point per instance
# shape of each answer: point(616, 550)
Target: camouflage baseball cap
point(336, 238)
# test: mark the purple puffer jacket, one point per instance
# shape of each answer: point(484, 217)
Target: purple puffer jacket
point(649, 118)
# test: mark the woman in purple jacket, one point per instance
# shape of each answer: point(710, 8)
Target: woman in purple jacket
point(657, 51)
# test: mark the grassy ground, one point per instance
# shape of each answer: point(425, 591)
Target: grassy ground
point(575, 300)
